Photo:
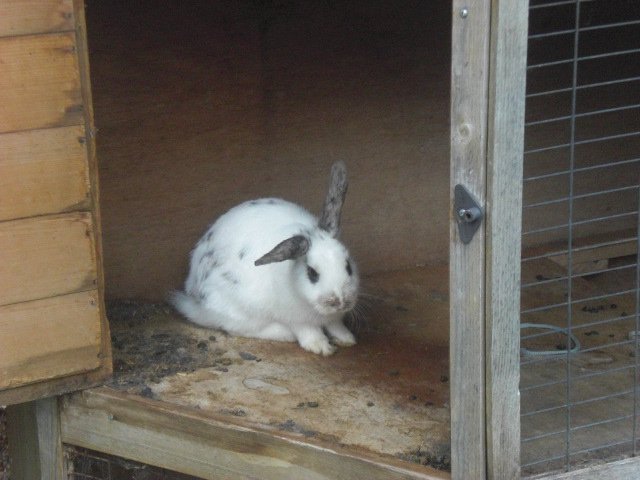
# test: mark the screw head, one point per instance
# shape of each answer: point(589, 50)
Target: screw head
point(464, 12)
point(469, 215)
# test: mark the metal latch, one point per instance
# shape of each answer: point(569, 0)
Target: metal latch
point(468, 213)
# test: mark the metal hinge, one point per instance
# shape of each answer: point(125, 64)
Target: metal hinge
point(468, 213)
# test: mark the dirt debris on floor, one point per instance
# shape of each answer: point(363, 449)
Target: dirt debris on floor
point(150, 342)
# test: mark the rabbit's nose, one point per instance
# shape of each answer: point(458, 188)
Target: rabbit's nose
point(333, 301)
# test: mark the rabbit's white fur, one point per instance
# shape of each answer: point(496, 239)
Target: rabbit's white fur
point(278, 301)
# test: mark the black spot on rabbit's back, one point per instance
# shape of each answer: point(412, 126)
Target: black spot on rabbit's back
point(265, 201)
point(230, 277)
point(208, 262)
point(204, 275)
point(205, 238)
point(242, 253)
point(210, 259)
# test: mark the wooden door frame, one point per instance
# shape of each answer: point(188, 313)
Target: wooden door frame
point(488, 77)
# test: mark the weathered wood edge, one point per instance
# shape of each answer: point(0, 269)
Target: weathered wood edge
point(198, 443)
point(469, 96)
point(622, 469)
point(48, 388)
point(505, 143)
point(82, 49)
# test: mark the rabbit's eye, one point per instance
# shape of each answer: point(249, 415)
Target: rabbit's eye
point(349, 270)
point(312, 274)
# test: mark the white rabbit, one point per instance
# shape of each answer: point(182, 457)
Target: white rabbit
point(270, 269)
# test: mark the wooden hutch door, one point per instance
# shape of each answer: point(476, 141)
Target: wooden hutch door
point(53, 330)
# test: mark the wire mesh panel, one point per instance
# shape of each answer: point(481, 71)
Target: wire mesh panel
point(580, 275)
point(85, 464)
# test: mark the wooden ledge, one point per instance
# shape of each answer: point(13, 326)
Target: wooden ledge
point(188, 441)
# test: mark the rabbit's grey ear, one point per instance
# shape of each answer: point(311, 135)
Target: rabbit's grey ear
point(288, 249)
point(330, 218)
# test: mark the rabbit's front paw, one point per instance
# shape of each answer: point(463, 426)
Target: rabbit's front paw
point(316, 342)
point(340, 334)
point(346, 341)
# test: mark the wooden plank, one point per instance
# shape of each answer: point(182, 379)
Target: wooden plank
point(505, 145)
point(584, 254)
point(186, 441)
point(39, 82)
point(623, 469)
point(57, 386)
point(92, 165)
point(49, 338)
point(43, 257)
point(22, 17)
point(35, 447)
point(591, 254)
point(43, 171)
point(579, 268)
point(469, 82)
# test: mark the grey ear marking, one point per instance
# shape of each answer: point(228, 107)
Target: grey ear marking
point(288, 249)
point(332, 209)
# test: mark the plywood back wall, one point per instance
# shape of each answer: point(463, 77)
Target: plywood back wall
point(200, 107)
